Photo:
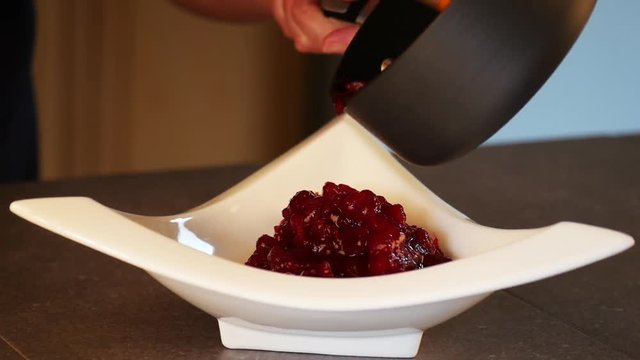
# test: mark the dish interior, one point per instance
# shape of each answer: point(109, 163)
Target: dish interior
point(342, 152)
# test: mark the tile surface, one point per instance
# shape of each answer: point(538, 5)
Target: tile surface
point(9, 353)
point(594, 181)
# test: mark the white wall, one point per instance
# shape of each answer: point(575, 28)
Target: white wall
point(596, 90)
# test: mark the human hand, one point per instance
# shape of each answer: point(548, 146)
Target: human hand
point(303, 22)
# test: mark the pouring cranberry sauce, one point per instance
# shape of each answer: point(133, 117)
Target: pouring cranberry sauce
point(381, 52)
point(344, 232)
point(342, 96)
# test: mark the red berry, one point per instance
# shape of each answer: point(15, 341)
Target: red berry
point(344, 233)
point(342, 96)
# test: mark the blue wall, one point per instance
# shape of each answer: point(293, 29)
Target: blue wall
point(596, 89)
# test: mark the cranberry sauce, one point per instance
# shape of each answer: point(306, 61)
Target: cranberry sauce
point(345, 233)
point(344, 94)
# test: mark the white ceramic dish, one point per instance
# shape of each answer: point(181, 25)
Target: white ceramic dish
point(375, 316)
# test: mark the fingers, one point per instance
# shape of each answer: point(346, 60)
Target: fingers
point(303, 22)
point(295, 11)
point(279, 16)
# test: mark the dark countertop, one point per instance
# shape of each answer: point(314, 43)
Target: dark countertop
point(60, 300)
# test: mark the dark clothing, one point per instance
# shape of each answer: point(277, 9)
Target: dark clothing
point(18, 135)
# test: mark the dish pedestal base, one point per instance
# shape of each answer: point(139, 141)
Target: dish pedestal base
point(398, 343)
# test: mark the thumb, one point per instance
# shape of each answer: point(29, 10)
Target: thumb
point(336, 42)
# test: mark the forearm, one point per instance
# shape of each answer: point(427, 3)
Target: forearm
point(232, 10)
